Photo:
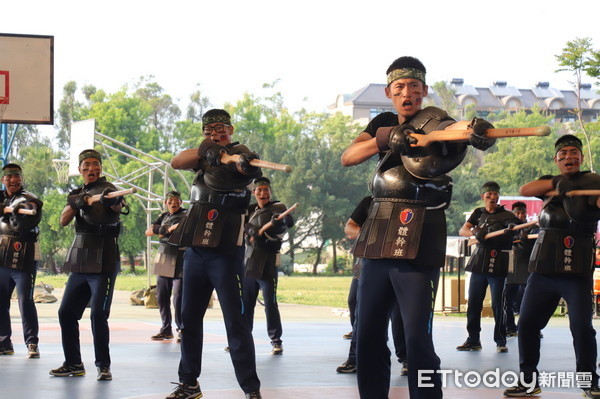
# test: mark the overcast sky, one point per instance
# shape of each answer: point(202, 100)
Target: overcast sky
point(317, 49)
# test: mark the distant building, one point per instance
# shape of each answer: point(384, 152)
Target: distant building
point(365, 103)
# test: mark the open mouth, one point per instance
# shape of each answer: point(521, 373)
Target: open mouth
point(407, 104)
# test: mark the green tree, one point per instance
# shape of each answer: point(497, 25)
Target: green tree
point(580, 59)
point(54, 239)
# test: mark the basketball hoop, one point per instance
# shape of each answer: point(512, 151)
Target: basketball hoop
point(62, 170)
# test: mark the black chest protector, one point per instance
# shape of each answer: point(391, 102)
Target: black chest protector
point(23, 227)
point(563, 246)
point(270, 240)
point(214, 219)
point(393, 181)
point(492, 256)
point(439, 157)
point(97, 214)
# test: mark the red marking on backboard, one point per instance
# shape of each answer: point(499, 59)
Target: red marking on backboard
point(5, 98)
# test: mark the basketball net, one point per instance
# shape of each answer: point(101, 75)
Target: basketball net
point(62, 170)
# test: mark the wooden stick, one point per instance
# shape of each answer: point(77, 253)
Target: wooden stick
point(574, 192)
point(9, 209)
point(268, 225)
point(423, 140)
point(112, 194)
point(235, 158)
point(532, 236)
point(497, 233)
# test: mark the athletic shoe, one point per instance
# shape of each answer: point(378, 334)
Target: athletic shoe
point(467, 346)
point(75, 370)
point(347, 335)
point(512, 333)
point(404, 370)
point(6, 349)
point(179, 337)
point(501, 349)
point(161, 336)
point(277, 349)
point(104, 374)
point(521, 391)
point(254, 395)
point(185, 391)
point(593, 393)
point(346, 368)
point(226, 349)
point(32, 351)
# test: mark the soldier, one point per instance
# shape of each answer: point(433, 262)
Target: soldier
point(561, 265)
point(410, 192)
point(93, 262)
point(18, 266)
point(168, 266)
point(517, 277)
point(488, 265)
point(212, 229)
point(262, 252)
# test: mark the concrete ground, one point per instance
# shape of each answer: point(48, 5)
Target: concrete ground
point(313, 348)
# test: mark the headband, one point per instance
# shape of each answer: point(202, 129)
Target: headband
point(490, 187)
point(216, 118)
point(405, 73)
point(85, 154)
point(11, 171)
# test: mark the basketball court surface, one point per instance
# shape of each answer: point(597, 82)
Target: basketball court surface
point(313, 348)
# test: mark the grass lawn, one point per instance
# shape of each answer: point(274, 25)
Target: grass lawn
point(304, 290)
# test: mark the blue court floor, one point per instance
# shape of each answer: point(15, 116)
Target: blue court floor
point(313, 348)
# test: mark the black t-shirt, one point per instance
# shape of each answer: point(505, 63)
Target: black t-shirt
point(360, 213)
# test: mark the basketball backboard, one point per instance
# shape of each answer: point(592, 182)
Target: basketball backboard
point(82, 138)
point(27, 78)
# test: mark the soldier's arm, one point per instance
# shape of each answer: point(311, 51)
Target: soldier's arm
point(362, 148)
point(67, 215)
point(186, 159)
point(536, 188)
point(465, 230)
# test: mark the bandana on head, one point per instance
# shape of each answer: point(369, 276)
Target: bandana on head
point(406, 73)
point(216, 118)
point(11, 171)
point(85, 154)
point(491, 186)
point(262, 181)
point(568, 140)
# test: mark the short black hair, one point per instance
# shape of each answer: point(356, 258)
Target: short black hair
point(519, 204)
point(406, 62)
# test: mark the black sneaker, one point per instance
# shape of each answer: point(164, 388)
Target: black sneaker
point(185, 391)
point(104, 374)
point(501, 349)
point(404, 369)
point(179, 337)
point(593, 393)
point(254, 395)
point(512, 333)
point(161, 336)
point(346, 368)
point(33, 351)
point(467, 346)
point(521, 391)
point(75, 370)
point(277, 349)
point(6, 349)
point(347, 335)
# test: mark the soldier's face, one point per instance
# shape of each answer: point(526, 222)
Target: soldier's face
point(262, 195)
point(407, 96)
point(568, 160)
point(173, 204)
point(218, 132)
point(13, 183)
point(522, 215)
point(490, 199)
point(90, 169)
